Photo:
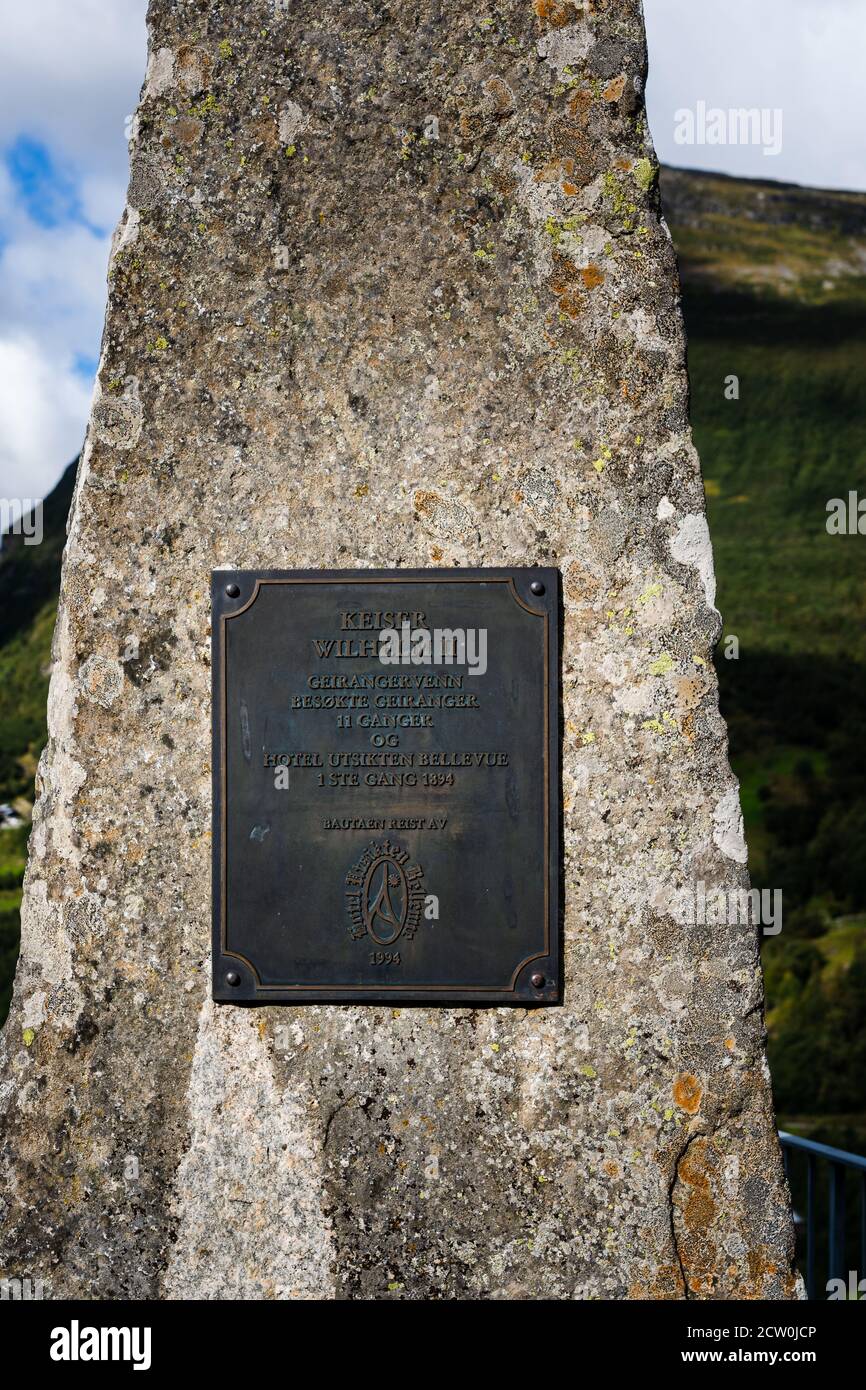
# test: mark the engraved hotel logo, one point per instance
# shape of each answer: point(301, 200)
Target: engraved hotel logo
point(384, 894)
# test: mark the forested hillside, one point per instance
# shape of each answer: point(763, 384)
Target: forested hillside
point(774, 286)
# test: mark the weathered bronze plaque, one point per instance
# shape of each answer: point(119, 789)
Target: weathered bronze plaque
point(386, 786)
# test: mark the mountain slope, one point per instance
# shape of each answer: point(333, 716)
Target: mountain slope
point(774, 293)
point(29, 585)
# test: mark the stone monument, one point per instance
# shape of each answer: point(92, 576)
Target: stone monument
point(392, 289)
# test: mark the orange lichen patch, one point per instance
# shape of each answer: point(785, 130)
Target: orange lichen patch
point(563, 284)
point(192, 67)
point(498, 94)
point(579, 583)
point(592, 276)
point(563, 275)
point(517, 498)
point(624, 165)
point(692, 1168)
point(763, 1273)
point(580, 103)
point(109, 835)
point(568, 186)
point(730, 1044)
point(426, 503)
point(660, 1284)
point(611, 1168)
point(436, 554)
point(760, 1264)
point(699, 1211)
point(570, 304)
point(702, 1286)
point(555, 13)
point(688, 1092)
point(614, 89)
point(549, 172)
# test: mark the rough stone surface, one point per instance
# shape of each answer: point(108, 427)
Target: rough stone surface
point(392, 288)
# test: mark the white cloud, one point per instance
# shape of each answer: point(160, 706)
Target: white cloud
point(52, 286)
point(102, 198)
point(72, 73)
point(42, 407)
point(804, 57)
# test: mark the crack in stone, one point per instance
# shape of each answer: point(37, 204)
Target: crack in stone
point(683, 1153)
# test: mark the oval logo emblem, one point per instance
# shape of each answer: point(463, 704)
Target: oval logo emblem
point(385, 900)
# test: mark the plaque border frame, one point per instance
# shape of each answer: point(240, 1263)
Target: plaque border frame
point(524, 989)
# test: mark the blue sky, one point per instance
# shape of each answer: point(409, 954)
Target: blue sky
point(71, 73)
point(46, 192)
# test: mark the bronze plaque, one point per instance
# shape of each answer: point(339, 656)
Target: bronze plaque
point(386, 786)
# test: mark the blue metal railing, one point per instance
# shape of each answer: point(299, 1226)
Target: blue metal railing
point(841, 1166)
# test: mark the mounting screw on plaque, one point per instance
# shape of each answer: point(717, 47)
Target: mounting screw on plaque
point(538, 980)
point(536, 587)
point(232, 978)
point(233, 590)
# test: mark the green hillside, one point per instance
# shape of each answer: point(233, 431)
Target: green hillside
point(774, 286)
point(29, 582)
